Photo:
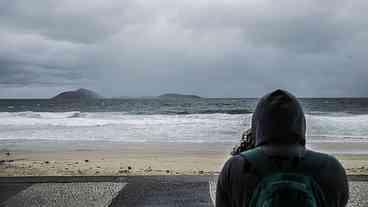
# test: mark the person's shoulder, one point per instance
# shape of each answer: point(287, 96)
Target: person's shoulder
point(235, 161)
point(322, 160)
point(320, 156)
point(237, 165)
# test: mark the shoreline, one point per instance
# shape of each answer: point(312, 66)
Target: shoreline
point(103, 158)
point(118, 178)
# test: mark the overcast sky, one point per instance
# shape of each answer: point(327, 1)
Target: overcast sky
point(213, 48)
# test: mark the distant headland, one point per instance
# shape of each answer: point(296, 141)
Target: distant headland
point(80, 94)
point(178, 96)
point(85, 94)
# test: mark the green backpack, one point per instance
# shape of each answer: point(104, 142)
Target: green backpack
point(286, 187)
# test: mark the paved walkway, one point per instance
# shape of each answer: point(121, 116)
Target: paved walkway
point(358, 194)
point(158, 191)
point(139, 191)
point(66, 194)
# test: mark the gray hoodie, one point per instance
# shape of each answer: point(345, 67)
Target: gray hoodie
point(278, 125)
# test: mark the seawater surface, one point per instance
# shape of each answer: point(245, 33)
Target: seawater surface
point(170, 120)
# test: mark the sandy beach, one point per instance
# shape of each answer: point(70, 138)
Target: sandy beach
point(118, 158)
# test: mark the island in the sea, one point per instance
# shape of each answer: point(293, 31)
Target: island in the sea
point(178, 96)
point(80, 94)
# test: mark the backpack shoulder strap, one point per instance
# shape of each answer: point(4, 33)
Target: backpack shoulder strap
point(262, 165)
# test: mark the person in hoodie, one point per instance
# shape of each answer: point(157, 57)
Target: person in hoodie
point(279, 125)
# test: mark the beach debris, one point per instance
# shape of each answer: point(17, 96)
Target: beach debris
point(7, 153)
point(123, 171)
point(47, 162)
point(97, 172)
point(76, 162)
point(129, 168)
point(6, 161)
point(167, 171)
point(80, 171)
point(98, 167)
point(86, 160)
point(201, 172)
point(149, 169)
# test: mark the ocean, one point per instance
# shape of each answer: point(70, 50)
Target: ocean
point(170, 120)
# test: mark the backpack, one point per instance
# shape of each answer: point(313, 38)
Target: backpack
point(286, 187)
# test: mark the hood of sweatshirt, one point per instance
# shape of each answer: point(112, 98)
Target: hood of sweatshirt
point(279, 120)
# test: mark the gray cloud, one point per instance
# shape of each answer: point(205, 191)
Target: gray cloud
point(75, 21)
point(234, 48)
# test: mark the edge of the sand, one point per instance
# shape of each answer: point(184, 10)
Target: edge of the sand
point(79, 179)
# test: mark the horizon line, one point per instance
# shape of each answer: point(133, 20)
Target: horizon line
point(201, 97)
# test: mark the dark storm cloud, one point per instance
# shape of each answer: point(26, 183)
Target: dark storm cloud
point(212, 48)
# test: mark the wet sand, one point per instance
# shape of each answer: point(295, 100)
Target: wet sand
point(118, 158)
